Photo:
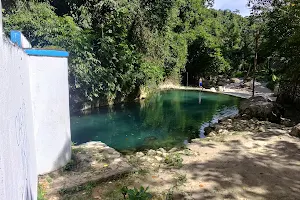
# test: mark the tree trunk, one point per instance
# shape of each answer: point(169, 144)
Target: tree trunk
point(255, 62)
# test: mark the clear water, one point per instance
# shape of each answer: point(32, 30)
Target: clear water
point(166, 119)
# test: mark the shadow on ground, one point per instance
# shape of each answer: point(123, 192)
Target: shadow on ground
point(248, 168)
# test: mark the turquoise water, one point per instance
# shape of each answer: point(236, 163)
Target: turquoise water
point(166, 119)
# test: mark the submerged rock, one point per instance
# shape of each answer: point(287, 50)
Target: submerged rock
point(149, 139)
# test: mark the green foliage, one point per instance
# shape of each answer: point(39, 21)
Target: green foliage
point(136, 194)
point(118, 47)
point(174, 160)
point(280, 38)
point(41, 193)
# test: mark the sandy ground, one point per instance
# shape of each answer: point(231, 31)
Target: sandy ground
point(241, 165)
point(245, 166)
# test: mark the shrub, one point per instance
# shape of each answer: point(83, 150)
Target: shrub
point(135, 194)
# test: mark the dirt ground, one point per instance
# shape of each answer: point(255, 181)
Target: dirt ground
point(240, 165)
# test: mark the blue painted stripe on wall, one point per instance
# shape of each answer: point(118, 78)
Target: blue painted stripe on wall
point(48, 53)
point(15, 37)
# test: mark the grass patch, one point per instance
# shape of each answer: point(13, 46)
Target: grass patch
point(49, 179)
point(78, 150)
point(142, 172)
point(69, 166)
point(174, 160)
point(180, 179)
point(134, 161)
point(41, 193)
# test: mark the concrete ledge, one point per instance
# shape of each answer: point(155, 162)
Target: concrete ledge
point(93, 162)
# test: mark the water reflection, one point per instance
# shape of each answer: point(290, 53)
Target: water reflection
point(164, 120)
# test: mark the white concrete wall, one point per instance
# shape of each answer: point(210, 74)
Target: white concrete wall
point(18, 177)
point(51, 118)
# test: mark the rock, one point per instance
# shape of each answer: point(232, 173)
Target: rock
point(139, 154)
point(248, 84)
point(235, 80)
point(150, 159)
point(262, 109)
point(151, 152)
point(208, 130)
point(150, 139)
point(212, 134)
point(213, 89)
point(165, 154)
point(262, 129)
point(159, 159)
point(221, 88)
point(159, 153)
point(295, 131)
point(287, 122)
point(127, 157)
point(173, 150)
point(143, 159)
point(223, 132)
point(217, 127)
point(162, 150)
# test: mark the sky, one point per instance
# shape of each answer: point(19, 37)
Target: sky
point(233, 5)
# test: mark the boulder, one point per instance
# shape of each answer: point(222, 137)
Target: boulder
point(139, 154)
point(162, 150)
point(159, 153)
point(213, 89)
point(295, 131)
point(159, 159)
point(212, 134)
point(235, 80)
point(208, 130)
point(262, 109)
point(262, 129)
point(151, 152)
point(174, 149)
point(221, 88)
point(248, 84)
point(287, 122)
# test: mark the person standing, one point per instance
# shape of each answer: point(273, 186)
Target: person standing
point(201, 83)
